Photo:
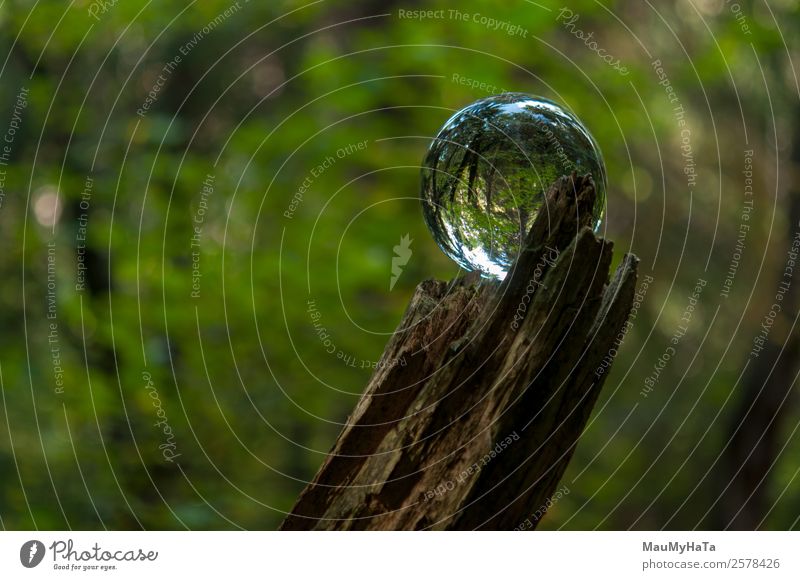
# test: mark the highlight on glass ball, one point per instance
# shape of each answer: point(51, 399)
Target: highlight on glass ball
point(486, 174)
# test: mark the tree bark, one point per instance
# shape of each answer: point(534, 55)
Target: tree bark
point(484, 389)
point(756, 426)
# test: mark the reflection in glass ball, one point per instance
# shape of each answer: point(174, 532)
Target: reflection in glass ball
point(485, 176)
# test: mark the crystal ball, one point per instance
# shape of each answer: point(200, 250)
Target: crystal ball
point(485, 176)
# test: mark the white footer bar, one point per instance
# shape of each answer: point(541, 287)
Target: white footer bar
point(401, 555)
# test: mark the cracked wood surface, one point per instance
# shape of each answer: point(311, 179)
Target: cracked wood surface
point(477, 428)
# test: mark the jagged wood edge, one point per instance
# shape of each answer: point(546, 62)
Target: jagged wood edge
point(407, 433)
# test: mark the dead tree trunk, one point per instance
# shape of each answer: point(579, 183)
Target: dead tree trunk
point(475, 427)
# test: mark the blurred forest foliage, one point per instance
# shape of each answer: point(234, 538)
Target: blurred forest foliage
point(143, 121)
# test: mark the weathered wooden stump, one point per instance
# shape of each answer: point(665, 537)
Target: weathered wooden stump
point(475, 430)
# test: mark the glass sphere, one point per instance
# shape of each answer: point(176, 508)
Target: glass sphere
point(485, 176)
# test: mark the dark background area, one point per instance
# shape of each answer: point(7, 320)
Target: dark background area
point(263, 94)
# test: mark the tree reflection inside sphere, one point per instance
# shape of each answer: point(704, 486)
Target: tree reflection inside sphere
point(485, 176)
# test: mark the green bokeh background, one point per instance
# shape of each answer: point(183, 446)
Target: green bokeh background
point(251, 393)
